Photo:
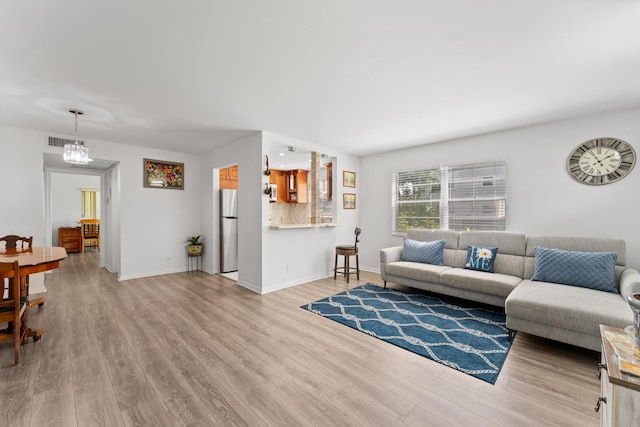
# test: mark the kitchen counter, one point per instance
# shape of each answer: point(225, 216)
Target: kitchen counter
point(290, 226)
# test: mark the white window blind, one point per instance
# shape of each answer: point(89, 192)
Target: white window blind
point(90, 203)
point(460, 197)
point(477, 197)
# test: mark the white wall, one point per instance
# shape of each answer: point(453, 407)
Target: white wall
point(294, 256)
point(543, 198)
point(22, 189)
point(150, 225)
point(264, 253)
point(66, 199)
point(246, 154)
point(153, 223)
point(110, 196)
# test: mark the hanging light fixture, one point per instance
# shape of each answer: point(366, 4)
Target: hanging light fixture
point(76, 153)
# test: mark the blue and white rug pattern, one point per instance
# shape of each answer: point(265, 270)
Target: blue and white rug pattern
point(457, 334)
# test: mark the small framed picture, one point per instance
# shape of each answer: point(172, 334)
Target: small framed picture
point(348, 201)
point(348, 179)
point(161, 174)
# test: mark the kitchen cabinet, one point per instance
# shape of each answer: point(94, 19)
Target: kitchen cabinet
point(293, 185)
point(229, 178)
point(69, 238)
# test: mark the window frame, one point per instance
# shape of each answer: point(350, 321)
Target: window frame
point(498, 200)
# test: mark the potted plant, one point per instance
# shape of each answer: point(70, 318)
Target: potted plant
point(195, 247)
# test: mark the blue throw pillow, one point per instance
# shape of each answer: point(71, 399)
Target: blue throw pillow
point(595, 270)
point(481, 258)
point(425, 252)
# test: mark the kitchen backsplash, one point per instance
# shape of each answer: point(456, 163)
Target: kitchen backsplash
point(289, 213)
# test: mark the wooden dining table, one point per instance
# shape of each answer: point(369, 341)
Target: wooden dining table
point(31, 261)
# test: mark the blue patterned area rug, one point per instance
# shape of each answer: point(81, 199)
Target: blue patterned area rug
point(457, 333)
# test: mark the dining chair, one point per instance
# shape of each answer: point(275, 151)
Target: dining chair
point(348, 251)
point(12, 308)
point(18, 245)
point(90, 234)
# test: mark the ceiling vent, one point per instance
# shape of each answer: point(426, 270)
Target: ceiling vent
point(60, 142)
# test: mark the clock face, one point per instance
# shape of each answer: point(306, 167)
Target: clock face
point(601, 161)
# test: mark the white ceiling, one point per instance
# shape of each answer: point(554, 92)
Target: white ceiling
point(360, 76)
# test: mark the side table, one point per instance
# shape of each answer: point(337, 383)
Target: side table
point(620, 392)
point(194, 259)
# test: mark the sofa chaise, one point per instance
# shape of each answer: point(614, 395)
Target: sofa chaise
point(522, 278)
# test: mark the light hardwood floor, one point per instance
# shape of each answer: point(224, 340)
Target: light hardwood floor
point(198, 350)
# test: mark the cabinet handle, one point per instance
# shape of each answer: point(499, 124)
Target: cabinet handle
point(601, 366)
point(601, 400)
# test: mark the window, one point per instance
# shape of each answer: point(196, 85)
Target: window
point(90, 203)
point(460, 197)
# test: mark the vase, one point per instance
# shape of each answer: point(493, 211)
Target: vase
point(634, 302)
point(195, 249)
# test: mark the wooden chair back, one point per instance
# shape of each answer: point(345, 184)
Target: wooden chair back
point(12, 308)
point(17, 244)
point(90, 233)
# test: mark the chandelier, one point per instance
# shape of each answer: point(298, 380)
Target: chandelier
point(76, 153)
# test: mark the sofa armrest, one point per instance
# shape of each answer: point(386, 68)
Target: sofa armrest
point(629, 282)
point(388, 255)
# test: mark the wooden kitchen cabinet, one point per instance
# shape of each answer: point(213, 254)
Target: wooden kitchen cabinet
point(229, 178)
point(300, 191)
point(293, 185)
point(70, 238)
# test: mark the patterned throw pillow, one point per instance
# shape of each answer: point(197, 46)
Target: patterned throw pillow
point(425, 252)
point(594, 270)
point(481, 258)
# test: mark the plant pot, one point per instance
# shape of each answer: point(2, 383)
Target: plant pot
point(195, 249)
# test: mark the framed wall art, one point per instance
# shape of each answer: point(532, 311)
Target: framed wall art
point(161, 174)
point(348, 201)
point(348, 179)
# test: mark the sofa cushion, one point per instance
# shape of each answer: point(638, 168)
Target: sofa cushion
point(581, 244)
point(480, 281)
point(425, 252)
point(595, 270)
point(429, 235)
point(481, 258)
point(416, 271)
point(568, 307)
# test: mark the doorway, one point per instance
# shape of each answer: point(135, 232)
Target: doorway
point(64, 204)
point(228, 219)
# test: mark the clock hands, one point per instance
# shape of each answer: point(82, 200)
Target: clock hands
point(598, 160)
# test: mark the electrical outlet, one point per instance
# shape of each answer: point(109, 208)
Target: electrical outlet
point(168, 259)
point(288, 267)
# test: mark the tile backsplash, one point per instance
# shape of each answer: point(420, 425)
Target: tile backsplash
point(289, 213)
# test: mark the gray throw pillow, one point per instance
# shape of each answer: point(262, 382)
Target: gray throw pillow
point(425, 252)
point(594, 270)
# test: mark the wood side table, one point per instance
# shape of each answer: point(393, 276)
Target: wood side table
point(619, 404)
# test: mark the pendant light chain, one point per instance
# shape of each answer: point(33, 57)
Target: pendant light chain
point(75, 112)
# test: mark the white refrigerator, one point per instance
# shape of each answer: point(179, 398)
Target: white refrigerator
point(228, 231)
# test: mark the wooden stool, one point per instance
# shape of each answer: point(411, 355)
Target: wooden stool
point(347, 251)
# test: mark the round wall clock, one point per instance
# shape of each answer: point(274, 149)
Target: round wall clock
point(601, 161)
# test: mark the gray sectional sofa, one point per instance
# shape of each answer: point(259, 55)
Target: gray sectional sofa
point(566, 313)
